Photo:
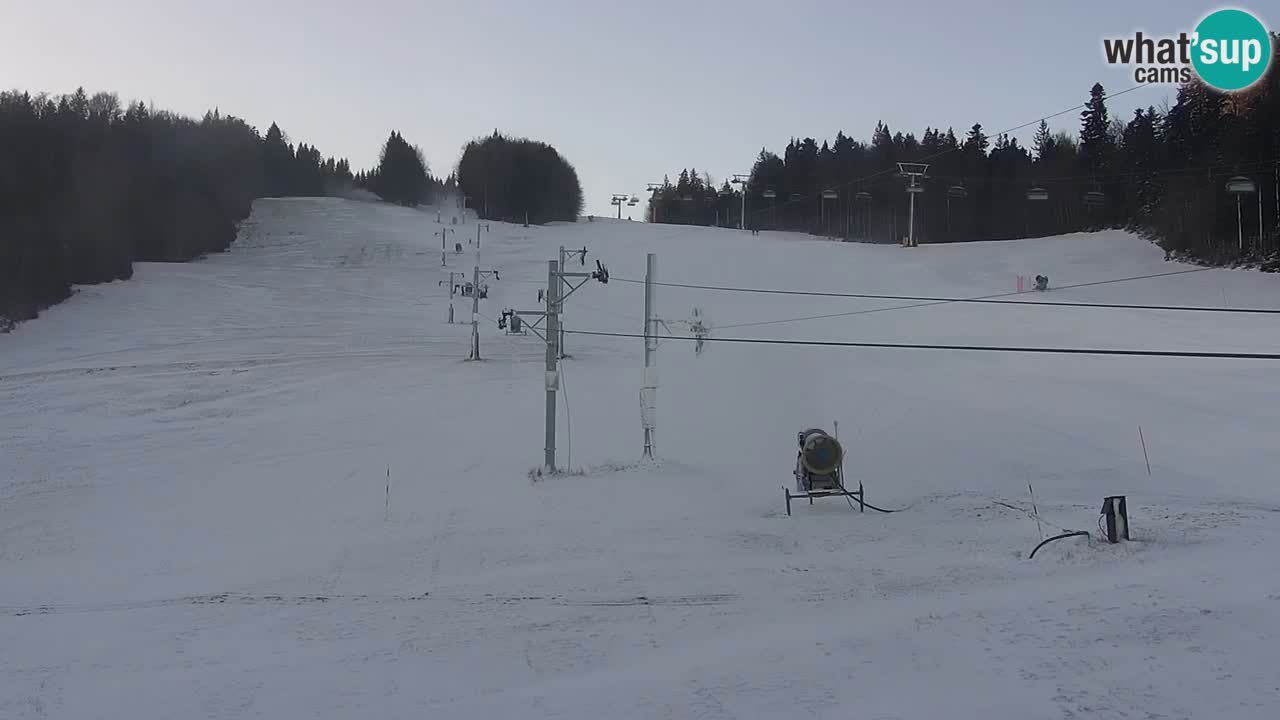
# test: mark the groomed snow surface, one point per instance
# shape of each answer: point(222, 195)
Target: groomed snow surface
point(195, 523)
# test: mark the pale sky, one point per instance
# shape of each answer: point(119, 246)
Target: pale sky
point(627, 91)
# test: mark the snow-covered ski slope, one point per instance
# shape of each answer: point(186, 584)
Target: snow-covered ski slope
point(194, 516)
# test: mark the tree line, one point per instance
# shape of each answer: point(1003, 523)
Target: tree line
point(302, 172)
point(518, 180)
point(695, 200)
point(89, 186)
point(1173, 174)
point(402, 175)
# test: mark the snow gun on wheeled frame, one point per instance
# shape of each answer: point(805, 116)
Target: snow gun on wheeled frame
point(820, 470)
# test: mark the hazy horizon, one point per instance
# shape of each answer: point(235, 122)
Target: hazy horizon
point(626, 93)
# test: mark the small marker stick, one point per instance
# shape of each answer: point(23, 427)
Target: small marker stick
point(1035, 511)
point(1144, 450)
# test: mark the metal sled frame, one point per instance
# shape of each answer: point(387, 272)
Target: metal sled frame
point(839, 491)
point(842, 492)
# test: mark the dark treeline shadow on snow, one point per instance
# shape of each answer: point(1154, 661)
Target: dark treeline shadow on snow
point(1161, 173)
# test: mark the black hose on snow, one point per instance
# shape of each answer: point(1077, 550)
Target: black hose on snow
point(886, 512)
point(1073, 533)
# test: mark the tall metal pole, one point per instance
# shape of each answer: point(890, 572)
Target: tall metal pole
point(451, 274)
point(911, 224)
point(742, 221)
point(1239, 224)
point(651, 261)
point(1260, 247)
point(649, 390)
point(560, 341)
point(553, 371)
point(444, 233)
point(475, 310)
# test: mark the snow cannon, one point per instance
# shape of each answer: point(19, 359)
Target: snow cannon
point(820, 469)
point(820, 455)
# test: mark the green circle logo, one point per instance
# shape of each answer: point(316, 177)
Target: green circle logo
point(1232, 50)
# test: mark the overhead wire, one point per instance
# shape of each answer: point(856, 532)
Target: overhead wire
point(858, 181)
point(957, 148)
point(985, 299)
point(940, 153)
point(982, 299)
point(928, 302)
point(966, 348)
point(689, 229)
point(1217, 170)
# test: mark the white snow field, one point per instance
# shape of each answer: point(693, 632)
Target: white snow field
point(195, 523)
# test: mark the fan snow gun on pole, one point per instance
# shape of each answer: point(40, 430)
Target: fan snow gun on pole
point(601, 273)
point(820, 470)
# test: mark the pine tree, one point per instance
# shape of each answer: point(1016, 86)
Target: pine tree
point(976, 142)
point(882, 145)
point(401, 176)
point(277, 162)
point(1096, 143)
point(1139, 150)
point(1043, 141)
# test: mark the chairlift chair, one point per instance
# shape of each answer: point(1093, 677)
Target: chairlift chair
point(1095, 198)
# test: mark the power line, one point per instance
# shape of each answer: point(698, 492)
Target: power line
point(970, 348)
point(960, 147)
point(991, 300)
point(941, 302)
point(948, 151)
point(983, 299)
point(1218, 170)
